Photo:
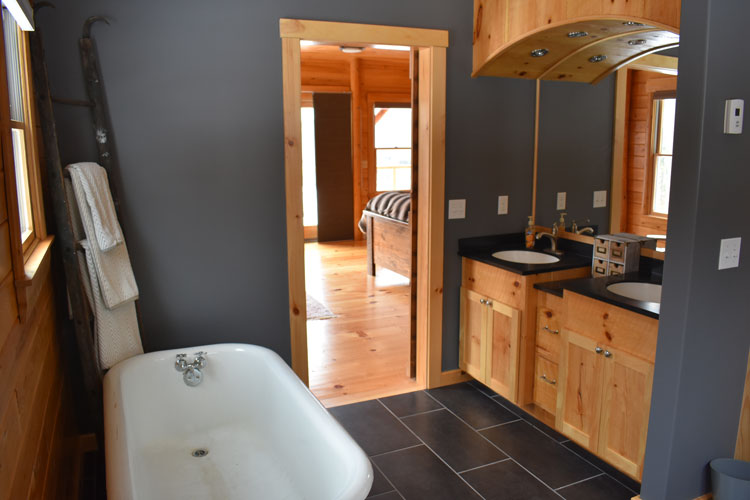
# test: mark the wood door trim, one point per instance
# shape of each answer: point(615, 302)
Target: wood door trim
point(432, 88)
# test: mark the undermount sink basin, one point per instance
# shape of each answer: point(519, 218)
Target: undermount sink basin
point(645, 292)
point(525, 257)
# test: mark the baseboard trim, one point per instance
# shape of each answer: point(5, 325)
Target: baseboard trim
point(453, 377)
point(707, 496)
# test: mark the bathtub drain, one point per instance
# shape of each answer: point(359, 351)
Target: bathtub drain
point(200, 453)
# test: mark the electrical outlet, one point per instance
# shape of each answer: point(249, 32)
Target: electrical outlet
point(502, 205)
point(456, 209)
point(600, 199)
point(561, 200)
point(729, 253)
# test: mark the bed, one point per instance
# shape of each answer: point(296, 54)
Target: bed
point(385, 222)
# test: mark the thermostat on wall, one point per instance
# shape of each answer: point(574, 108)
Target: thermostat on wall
point(734, 109)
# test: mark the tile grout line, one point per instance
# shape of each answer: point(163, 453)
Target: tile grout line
point(485, 465)
point(389, 482)
point(597, 467)
point(503, 451)
point(420, 413)
point(582, 481)
point(433, 451)
point(498, 425)
point(394, 451)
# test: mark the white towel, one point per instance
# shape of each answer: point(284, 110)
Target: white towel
point(93, 179)
point(116, 330)
point(113, 270)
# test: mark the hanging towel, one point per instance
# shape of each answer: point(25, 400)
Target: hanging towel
point(116, 330)
point(113, 270)
point(93, 179)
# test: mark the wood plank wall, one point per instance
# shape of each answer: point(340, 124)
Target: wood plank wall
point(35, 420)
point(372, 74)
point(642, 86)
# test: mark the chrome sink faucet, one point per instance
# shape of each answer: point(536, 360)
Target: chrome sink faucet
point(552, 238)
point(583, 230)
point(192, 372)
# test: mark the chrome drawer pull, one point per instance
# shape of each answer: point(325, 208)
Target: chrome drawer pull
point(599, 350)
point(554, 332)
point(607, 354)
point(551, 382)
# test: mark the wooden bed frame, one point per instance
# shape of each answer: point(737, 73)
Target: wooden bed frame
point(388, 244)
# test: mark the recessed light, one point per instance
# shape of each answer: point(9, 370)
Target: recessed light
point(632, 23)
point(596, 59)
point(577, 34)
point(351, 50)
point(639, 41)
point(391, 47)
point(539, 52)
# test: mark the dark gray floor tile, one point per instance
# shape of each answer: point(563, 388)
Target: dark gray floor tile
point(387, 496)
point(599, 488)
point(629, 482)
point(482, 388)
point(455, 442)
point(531, 419)
point(472, 406)
point(379, 483)
point(544, 457)
point(411, 403)
point(507, 481)
point(418, 475)
point(373, 427)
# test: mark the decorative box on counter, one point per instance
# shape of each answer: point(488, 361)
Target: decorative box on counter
point(618, 253)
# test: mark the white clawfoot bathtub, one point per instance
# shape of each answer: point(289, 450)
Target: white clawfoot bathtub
point(265, 434)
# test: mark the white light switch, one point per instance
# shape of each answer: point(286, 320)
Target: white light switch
point(734, 109)
point(600, 199)
point(729, 253)
point(502, 205)
point(456, 209)
point(561, 200)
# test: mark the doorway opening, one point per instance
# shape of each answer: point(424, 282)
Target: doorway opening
point(430, 177)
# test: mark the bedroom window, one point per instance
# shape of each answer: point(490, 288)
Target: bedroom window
point(393, 130)
point(663, 138)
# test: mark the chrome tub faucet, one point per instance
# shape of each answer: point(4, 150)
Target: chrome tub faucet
point(192, 372)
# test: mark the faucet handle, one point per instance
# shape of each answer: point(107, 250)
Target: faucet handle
point(200, 359)
point(180, 364)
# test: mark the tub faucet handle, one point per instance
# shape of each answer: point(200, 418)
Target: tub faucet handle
point(200, 359)
point(180, 363)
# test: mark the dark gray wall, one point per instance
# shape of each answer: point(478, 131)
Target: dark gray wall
point(703, 334)
point(575, 150)
point(194, 92)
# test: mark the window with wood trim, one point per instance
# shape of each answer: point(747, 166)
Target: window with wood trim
point(22, 157)
point(393, 129)
point(663, 113)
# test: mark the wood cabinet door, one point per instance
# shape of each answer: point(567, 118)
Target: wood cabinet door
point(626, 402)
point(503, 341)
point(473, 325)
point(580, 395)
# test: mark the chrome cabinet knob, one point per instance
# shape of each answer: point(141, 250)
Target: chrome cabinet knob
point(488, 302)
point(598, 350)
point(607, 354)
point(482, 301)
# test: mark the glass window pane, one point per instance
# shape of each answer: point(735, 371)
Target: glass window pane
point(309, 187)
point(384, 180)
point(13, 66)
point(22, 184)
point(392, 127)
point(666, 129)
point(662, 175)
point(403, 179)
point(393, 158)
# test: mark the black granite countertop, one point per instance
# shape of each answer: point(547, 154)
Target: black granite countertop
point(596, 288)
point(481, 249)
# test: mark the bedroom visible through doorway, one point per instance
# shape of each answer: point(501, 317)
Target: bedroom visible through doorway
point(357, 149)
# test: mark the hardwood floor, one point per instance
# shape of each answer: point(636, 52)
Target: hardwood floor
point(363, 353)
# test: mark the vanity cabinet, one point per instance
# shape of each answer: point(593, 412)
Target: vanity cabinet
point(548, 323)
point(605, 377)
point(490, 333)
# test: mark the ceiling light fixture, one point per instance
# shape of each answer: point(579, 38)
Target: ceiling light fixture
point(639, 41)
point(22, 12)
point(577, 34)
point(596, 59)
point(632, 23)
point(539, 52)
point(351, 50)
point(391, 47)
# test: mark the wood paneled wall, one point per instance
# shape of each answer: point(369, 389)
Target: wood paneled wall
point(372, 75)
point(35, 416)
point(642, 86)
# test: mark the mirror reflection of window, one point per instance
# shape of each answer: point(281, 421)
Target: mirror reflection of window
point(663, 139)
point(392, 148)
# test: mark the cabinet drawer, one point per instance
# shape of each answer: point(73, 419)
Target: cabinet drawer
point(601, 248)
point(617, 251)
point(599, 267)
point(545, 384)
point(548, 332)
point(616, 269)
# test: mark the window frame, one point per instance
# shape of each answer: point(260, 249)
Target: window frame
point(379, 99)
point(653, 151)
